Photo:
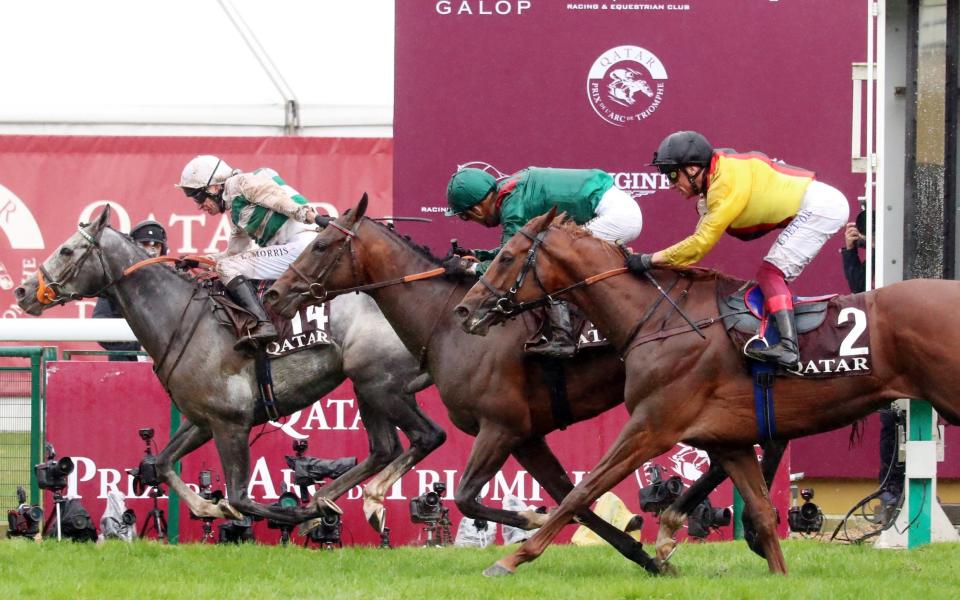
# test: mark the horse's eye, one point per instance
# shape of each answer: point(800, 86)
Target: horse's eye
point(320, 245)
point(506, 259)
point(66, 251)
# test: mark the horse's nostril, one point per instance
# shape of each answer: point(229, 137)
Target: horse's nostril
point(462, 312)
point(19, 293)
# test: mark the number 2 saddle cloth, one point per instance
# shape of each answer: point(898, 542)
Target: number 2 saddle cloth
point(834, 335)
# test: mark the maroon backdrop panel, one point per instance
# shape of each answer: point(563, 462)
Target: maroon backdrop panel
point(832, 454)
point(48, 184)
point(537, 82)
point(95, 409)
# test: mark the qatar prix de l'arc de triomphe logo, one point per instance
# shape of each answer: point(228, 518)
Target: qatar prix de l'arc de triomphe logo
point(626, 85)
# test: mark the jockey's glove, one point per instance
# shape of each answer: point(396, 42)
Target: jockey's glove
point(640, 263)
point(457, 267)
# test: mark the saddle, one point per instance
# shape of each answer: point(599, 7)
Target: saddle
point(307, 329)
point(834, 339)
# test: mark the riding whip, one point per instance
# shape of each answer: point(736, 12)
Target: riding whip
point(674, 304)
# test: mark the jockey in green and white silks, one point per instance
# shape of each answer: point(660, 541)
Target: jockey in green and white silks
point(271, 226)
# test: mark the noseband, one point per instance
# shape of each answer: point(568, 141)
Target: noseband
point(317, 288)
point(506, 301)
point(50, 290)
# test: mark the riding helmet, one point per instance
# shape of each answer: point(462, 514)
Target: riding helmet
point(682, 148)
point(467, 188)
point(150, 231)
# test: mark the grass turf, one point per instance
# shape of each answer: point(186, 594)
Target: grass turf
point(716, 570)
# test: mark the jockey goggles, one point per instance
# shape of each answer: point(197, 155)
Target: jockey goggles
point(200, 195)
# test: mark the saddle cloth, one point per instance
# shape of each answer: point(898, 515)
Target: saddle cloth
point(310, 327)
point(833, 330)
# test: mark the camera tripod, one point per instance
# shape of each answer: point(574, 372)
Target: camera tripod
point(438, 532)
point(155, 517)
point(54, 517)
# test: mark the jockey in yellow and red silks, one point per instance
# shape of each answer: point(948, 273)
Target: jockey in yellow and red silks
point(748, 195)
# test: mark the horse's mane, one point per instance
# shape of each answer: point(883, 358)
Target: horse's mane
point(181, 274)
point(423, 251)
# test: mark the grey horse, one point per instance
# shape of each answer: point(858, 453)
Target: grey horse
point(215, 387)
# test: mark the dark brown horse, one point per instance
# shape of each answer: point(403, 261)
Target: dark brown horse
point(684, 388)
point(490, 388)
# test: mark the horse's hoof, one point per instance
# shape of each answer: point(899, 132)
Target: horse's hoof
point(229, 511)
point(497, 570)
point(665, 567)
point(329, 505)
point(307, 526)
point(375, 517)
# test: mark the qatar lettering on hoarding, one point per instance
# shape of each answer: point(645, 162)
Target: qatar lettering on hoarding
point(626, 85)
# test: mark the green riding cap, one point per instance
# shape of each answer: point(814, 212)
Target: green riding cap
point(467, 188)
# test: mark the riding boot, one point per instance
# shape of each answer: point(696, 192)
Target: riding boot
point(560, 342)
point(786, 352)
point(243, 292)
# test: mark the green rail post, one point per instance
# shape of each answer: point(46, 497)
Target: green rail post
point(173, 499)
point(35, 354)
point(737, 514)
point(919, 487)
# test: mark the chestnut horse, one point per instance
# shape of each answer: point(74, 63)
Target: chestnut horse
point(490, 388)
point(696, 390)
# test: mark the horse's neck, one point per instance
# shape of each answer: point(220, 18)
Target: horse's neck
point(416, 309)
point(152, 299)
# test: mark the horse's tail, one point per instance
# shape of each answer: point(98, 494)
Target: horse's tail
point(856, 433)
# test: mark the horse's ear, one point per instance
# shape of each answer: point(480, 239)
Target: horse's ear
point(362, 207)
point(548, 219)
point(104, 218)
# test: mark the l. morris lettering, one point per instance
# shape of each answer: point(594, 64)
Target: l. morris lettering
point(483, 7)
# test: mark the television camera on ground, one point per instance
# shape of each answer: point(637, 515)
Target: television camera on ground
point(205, 490)
point(70, 517)
point(660, 493)
point(307, 471)
point(428, 509)
point(146, 476)
point(24, 520)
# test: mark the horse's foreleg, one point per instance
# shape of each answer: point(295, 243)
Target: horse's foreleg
point(233, 447)
point(537, 458)
point(743, 469)
point(188, 438)
point(635, 444)
point(490, 450)
point(672, 519)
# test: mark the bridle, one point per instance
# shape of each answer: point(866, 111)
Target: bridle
point(317, 287)
point(507, 305)
point(50, 290)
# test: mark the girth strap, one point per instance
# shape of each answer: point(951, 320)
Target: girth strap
point(764, 374)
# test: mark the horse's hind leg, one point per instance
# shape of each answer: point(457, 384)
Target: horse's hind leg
point(425, 436)
point(742, 466)
point(635, 444)
point(672, 519)
point(772, 455)
point(188, 438)
point(537, 458)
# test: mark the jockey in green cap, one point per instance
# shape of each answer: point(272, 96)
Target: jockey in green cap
point(587, 196)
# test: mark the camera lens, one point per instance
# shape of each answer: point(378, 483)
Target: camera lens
point(129, 518)
point(35, 514)
point(431, 499)
point(809, 511)
point(331, 520)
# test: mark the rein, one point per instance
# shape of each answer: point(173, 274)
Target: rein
point(162, 259)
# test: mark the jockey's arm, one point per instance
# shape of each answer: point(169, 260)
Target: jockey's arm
point(239, 242)
point(722, 208)
point(260, 188)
